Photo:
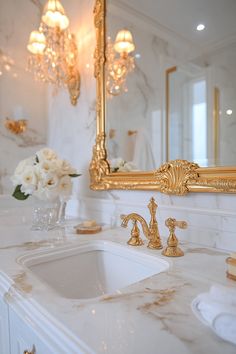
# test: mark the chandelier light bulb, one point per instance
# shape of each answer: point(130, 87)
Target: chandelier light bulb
point(124, 42)
point(37, 42)
point(54, 15)
point(229, 112)
point(200, 27)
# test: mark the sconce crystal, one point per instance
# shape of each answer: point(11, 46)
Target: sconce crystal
point(54, 54)
point(118, 67)
point(6, 63)
point(16, 126)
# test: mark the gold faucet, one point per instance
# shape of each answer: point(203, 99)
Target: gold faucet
point(151, 232)
point(172, 249)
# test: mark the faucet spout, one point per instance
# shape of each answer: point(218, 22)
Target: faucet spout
point(150, 231)
point(136, 217)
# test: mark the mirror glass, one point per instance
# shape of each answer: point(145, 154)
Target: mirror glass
point(171, 90)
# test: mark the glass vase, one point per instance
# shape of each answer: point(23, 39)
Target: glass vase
point(45, 215)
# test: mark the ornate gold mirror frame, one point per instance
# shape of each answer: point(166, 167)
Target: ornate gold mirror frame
point(174, 177)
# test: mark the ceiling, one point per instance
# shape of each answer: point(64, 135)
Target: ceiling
point(182, 17)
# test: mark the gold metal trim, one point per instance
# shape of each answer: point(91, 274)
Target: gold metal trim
point(177, 177)
point(172, 249)
point(73, 85)
point(16, 126)
point(33, 351)
point(168, 72)
point(150, 231)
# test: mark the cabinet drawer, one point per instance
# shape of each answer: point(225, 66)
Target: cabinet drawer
point(23, 337)
point(4, 328)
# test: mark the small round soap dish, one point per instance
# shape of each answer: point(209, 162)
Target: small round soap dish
point(231, 271)
point(88, 227)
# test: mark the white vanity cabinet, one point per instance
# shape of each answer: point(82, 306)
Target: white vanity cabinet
point(23, 338)
point(4, 328)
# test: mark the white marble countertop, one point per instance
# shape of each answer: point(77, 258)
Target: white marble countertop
point(151, 316)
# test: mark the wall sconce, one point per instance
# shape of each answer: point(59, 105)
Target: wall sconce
point(54, 54)
point(16, 126)
point(119, 66)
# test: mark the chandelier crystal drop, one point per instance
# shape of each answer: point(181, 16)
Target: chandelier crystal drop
point(54, 54)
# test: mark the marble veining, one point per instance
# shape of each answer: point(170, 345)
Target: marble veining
point(28, 139)
point(203, 250)
point(154, 313)
point(38, 4)
point(21, 283)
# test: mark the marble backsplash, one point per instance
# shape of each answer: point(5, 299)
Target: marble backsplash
point(211, 218)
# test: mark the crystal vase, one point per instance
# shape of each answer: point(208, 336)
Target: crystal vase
point(45, 215)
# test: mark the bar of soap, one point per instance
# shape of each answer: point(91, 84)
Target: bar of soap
point(89, 223)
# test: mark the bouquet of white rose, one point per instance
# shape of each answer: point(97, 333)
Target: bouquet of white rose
point(44, 176)
point(120, 165)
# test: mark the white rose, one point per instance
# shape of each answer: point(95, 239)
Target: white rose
point(128, 166)
point(65, 186)
point(117, 163)
point(46, 167)
point(47, 188)
point(46, 154)
point(65, 167)
point(29, 180)
point(20, 168)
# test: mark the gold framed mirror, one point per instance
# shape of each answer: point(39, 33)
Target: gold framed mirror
point(177, 177)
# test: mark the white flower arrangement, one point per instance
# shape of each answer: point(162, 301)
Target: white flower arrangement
point(44, 176)
point(120, 165)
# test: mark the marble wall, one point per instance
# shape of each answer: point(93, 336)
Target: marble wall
point(20, 96)
point(211, 217)
point(72, 129)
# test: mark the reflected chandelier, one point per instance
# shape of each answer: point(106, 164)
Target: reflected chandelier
point(54, 54)
point(119, 62)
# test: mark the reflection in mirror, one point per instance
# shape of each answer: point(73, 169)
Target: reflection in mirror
point(201, 103)
point(187, 123)
point(194, 116)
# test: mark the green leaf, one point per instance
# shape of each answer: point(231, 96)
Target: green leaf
point(18, 194)
point(74, 175)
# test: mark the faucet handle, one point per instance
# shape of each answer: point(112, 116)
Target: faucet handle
point(173, 223)
point(172, 249)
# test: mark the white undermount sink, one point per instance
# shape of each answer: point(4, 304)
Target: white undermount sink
point(92, 269)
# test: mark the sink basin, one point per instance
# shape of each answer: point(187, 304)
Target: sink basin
point(92, 269)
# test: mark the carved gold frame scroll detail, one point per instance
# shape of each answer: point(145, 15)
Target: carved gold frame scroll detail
point(177, 177)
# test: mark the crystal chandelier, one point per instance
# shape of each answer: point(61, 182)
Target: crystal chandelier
point(119, 62)
point(54, 54)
